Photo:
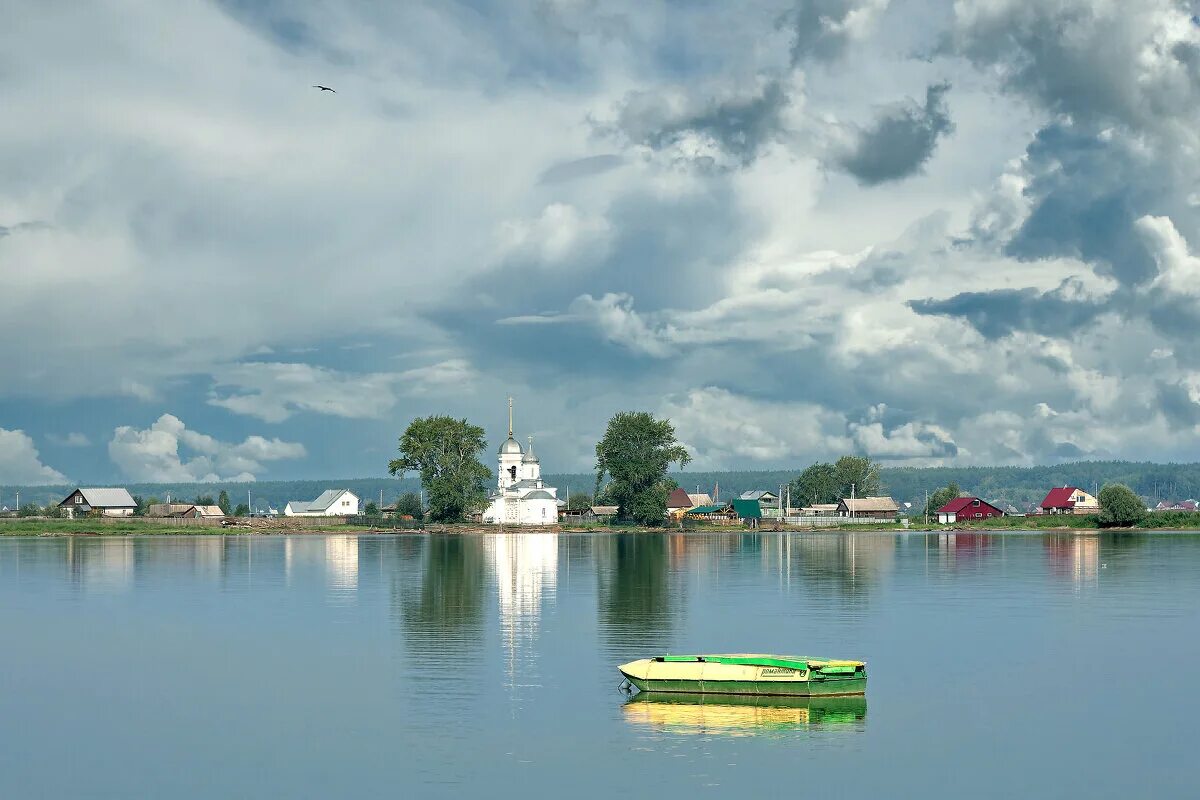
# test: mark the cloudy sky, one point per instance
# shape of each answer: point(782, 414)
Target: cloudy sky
point(931, 231)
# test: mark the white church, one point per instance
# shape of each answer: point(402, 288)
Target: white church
point(521, 498)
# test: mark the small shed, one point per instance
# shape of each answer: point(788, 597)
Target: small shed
point(203, 512)
point(868, 507)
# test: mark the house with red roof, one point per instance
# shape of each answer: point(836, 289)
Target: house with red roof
point(1069, 500)
point(678, 504)
point(963, 509)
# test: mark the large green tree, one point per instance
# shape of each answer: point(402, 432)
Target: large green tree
point(223, 502)
point(828, 483)
point(445, 451)
point(635, 453)
point(1120, 507)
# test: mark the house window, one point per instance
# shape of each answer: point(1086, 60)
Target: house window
point(975, 503)
point(978, 515)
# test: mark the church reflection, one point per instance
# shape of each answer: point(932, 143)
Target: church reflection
point(525, 566)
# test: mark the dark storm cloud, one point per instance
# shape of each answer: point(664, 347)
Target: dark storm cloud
point(900, 140)
point(1177, 405)
point(821, 32)
point(580, 168)
point(999, 313)
point(1087, 192)
point(279, 22)
point(741, 126)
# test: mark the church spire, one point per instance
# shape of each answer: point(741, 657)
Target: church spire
point(510, 417)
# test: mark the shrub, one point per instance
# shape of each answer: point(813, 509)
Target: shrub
point(1120, 507)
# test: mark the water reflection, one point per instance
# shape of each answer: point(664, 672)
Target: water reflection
point(526, 570)
point(735, 715)
point(443, 617)
point(636, 601)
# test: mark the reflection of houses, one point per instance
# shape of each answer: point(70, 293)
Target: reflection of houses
point(868, 507)
point(963, 509)
point(331, 503)
point(1069, 500)
point(1075, 557)
point(341, 562)
point(106, 502)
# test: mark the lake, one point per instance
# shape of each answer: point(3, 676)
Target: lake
point(439, 666)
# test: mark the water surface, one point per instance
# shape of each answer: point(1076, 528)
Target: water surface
point(435, 666)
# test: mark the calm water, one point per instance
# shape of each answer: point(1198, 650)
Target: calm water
point(417, 666)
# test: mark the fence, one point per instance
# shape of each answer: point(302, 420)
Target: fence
point(834, 521)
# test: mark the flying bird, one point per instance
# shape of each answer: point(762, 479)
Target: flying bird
point(324, 88)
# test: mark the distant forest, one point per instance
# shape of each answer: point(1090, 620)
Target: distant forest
point(1021, 487)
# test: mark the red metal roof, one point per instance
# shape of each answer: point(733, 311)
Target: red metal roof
point(679, 499)
point(959, 503)
point(1060, 497)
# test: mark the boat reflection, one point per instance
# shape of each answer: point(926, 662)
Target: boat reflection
point(742, 715)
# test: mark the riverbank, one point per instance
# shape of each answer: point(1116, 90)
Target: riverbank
point(141, 526)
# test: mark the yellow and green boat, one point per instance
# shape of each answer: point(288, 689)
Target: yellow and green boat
point(748, 673)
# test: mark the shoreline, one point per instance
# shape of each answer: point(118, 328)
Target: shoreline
point(33, 528)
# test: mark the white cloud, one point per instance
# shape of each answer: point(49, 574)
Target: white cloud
point(20, 462)
point(160, 453)
point(560, 235)
point(1178, 269)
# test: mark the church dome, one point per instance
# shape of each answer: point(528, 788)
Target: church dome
point(510, 447)
point(529, 458)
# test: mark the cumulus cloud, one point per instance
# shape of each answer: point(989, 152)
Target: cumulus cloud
point(899, 140)
point(825, 28)
point(169, 451)
point(725, 130)
point(20, 462)
point(1178, 269)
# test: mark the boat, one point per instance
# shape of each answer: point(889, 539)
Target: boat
point(741, 714)
point(747, 673)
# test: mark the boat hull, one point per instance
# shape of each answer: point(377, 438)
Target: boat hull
point(705, 675)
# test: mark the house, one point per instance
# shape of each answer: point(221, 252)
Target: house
point(602, 512)
point(203, 512)
point(747, 510)
point(678, 503)
point(868, 507)
point(331, 503)
point(767, 501)
point(1069, 500)
point(700, 499)
point(1184, 505)
point(108, 502)
point(167, 509)
point(961, 509)
point(820, 510)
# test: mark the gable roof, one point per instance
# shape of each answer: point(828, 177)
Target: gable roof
point(166, 509)
point(758, 494)
point(700, 499)
point(604, 511)
point(679, 499)
point(104, 498)
point(208, 511)
point(958, 504)
point(299, 506)
point(328, 498)
point(1060, 497)
point(710, 508)
point(869, 504)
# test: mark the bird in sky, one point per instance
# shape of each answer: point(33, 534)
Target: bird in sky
point(324, 88)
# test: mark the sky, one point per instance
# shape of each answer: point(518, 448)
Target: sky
point(928, 231)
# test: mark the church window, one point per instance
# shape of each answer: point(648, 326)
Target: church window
point(512, 473)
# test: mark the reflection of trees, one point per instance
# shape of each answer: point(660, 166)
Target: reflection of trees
point(445, 616)
point(635, 602)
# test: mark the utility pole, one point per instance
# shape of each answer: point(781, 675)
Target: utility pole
point(926, 507)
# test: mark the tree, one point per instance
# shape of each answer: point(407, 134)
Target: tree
point(371, 509)
point(817, 484)
point(140, 510)
point(940, 498)
point(409, 505)
point(29, 510)
point(445, 451)
point(635, 453)
point(858, 472)
point(204, 500)
point(223, 502)
point(580, 501)
point(242, 510)
point(1120, 507)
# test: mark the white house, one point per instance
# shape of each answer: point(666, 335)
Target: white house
point(109, 502)
point(331, 503)
point(521, 497)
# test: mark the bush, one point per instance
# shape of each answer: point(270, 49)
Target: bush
point(1120, 507)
